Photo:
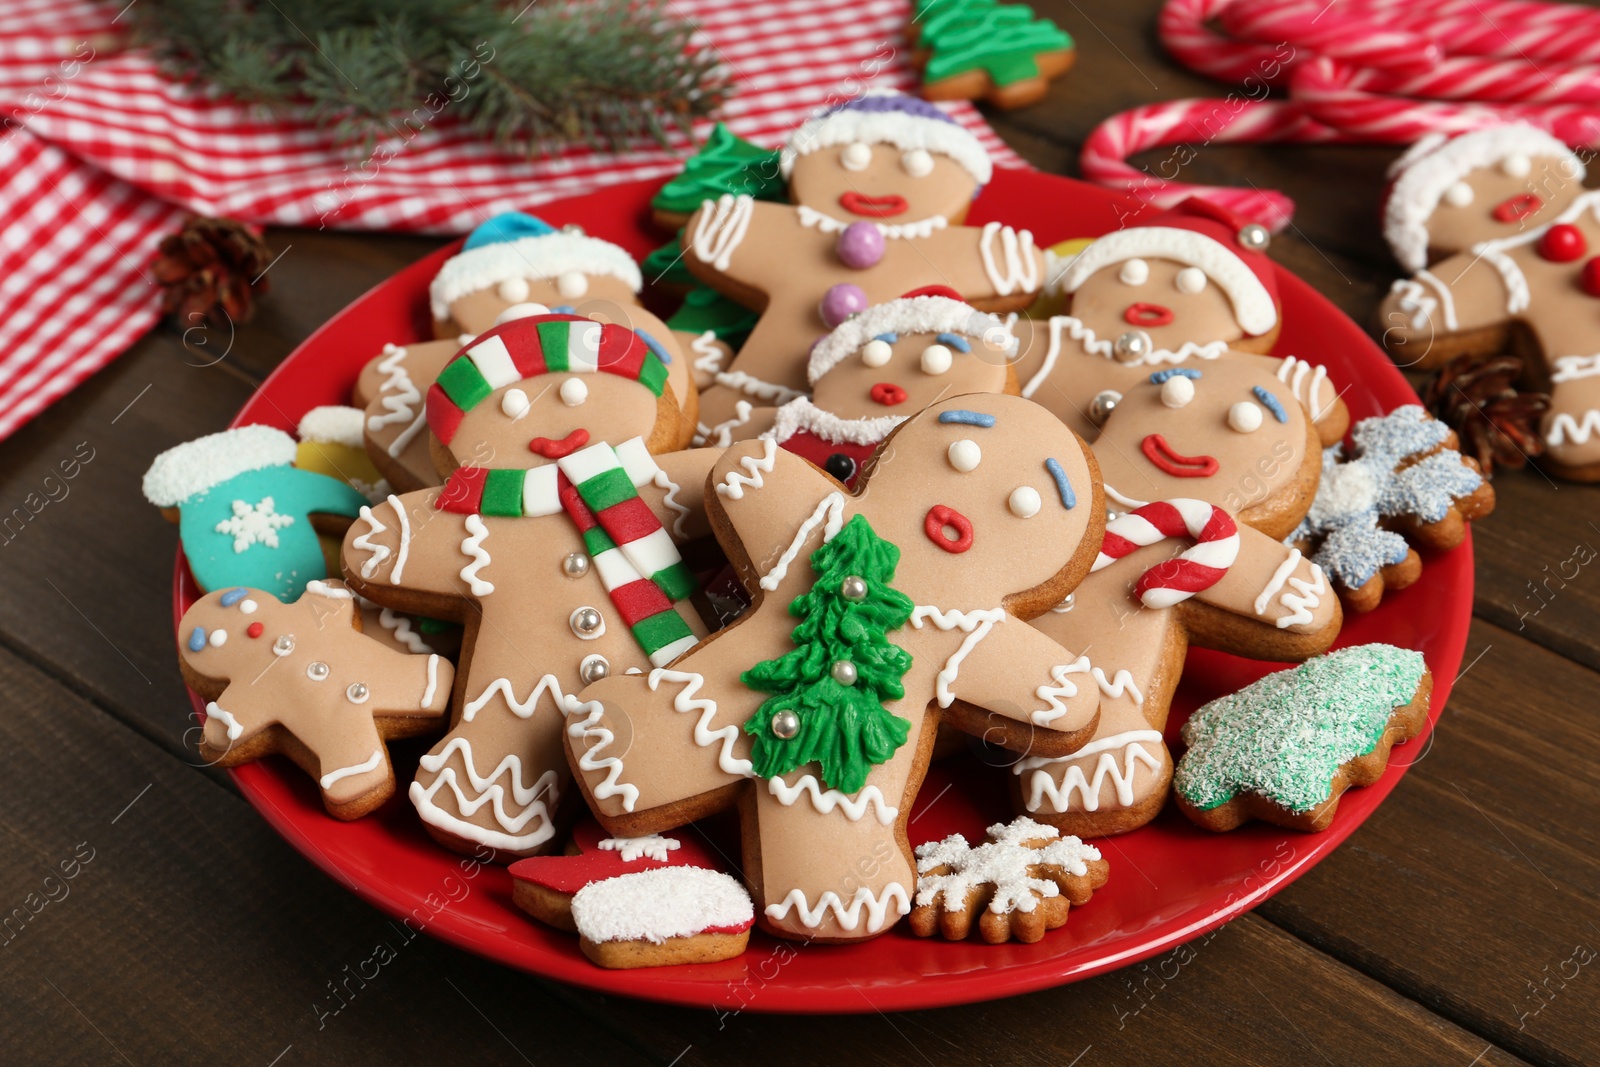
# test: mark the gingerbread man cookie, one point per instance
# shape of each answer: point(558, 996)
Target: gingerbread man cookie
point(880, 184)
point(1186, 288)
point(302, 680)
point(554, 540)
point(1447, 194)
point(878, 614)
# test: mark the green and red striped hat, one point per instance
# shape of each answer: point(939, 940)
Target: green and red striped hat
point(529, 347)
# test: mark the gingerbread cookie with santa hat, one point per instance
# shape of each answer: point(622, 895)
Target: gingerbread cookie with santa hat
point(880, 185)
point(1185, 288)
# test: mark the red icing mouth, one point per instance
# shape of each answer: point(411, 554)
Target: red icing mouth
point(1517, 208)
point(938, 518)
point(1157, 451)
point(873, 207)
point(887, 394)
point(550, 448)
point(1147, 315)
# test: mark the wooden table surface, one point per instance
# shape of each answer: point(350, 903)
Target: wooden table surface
point(1458, 926)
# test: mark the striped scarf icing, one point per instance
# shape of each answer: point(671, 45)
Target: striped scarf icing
point(633, 554)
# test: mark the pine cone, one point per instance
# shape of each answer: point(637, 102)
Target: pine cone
point(1498, 424)
point(212, 270)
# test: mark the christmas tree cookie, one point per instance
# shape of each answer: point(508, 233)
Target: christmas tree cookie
point(972, 49)
point(725, 163)
point(1284, 749)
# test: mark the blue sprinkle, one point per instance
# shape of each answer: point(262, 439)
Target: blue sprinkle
point(963, 417)
point(887, 338)
point(1069, 499)
point(233, 596)
point(955, 341)
point(655, 346)
point(197, 640)
point(1271, 403)
point(564, 309)
point(1161, 376)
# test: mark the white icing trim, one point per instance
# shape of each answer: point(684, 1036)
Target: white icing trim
point(472, 547)
point(825, 802)
point(1120, 685)
point(1126, 501)
point(1303, 599)
point(1447, 302)
point(1293, 372)
point(907, 315)
point(750, 385)
point(906, 132)
point(831, 509)
point(721, 435)
point(661, 481)
point(975, 624)
point(728, 736)
point(215, 711)
point(1571, 368)
point(590, 728)
point(1130, 745)
point(1050, 694)
point(332, 424)
point(922, 229)
point(733, 483)
point(648, 846)
point(1252, 303)
point(802, 414)
point(1097, 346)
point(433, 681)
point(718, 232)
point(544, 258)
point(405, 539)
point(1518, 296)
point(1275, 583)
point(364, 542)
point(521, 708)
point(318, 587)
point(400, 627)
point(1564, 427)
point(1020, 271)
point(402, 442)
point(194, 467)
point(848, 917)
point(709, 355)
point(398, 392)
point(370, 764)
point(1413, 301)
point(487, 791)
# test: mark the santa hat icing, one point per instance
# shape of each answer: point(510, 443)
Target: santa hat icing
point(514, 245)
point(1199, 234)
point(915, 314)
point(194, 467)
point(1436, 162)
point(883, 116)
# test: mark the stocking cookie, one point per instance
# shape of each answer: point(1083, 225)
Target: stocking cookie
point(1020, 883)
point(880, 184)
point(302, 680)
point(981, 49)
point(246, 516)
point(1539, 291)
point(661, 917)
point(554, 541)
point(1284, 749)
point(1448, 193)
point(878, 613)
point(332, 443)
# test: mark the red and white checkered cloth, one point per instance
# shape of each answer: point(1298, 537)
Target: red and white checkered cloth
point(102, 154)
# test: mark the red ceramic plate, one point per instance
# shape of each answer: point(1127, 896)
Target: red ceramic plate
point(1169, 881)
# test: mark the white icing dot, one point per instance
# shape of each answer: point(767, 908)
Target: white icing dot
point(917, 163)
point(248, 607)
point(936, 359)
point(513, 290)
point(856, 156)
point(1245, 416)
point(1024, 502)
point(572, 284)
point(515, 311)
point(220, 637)
point(876, 353)
point(1516, 165)
point(1190, 280)
point(1458, 195)
point(965, 455)
point(1177, 391)
point(514, 404)
point(1135, 272)
point(574, 392)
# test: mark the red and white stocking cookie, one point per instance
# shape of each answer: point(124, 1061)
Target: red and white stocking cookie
point(879, 613)
point(880, 185)
point(302, 680)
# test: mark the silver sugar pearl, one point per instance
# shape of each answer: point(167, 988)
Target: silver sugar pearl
point(283, 645)
point(317, 671)
point(1131, 346)
point(853, 588)
point(572, 227)
point(587, 622)
point(357, 693)
point(844, 672)
point(1254, 237)
point(1103, 404)
point(593, 668)
point(785, 724)
point(575, 565)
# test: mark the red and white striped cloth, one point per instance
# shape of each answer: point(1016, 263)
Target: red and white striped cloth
point(102, 154)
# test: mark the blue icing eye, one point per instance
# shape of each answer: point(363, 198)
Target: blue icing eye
point(962, 417)
point(1161, 376)
point(197, 639)
point(1069, 499)
point(568, 309)
point(655, 346)
point(888, 338)
point(955, 341)
point(1271, 403)
point(233, 596)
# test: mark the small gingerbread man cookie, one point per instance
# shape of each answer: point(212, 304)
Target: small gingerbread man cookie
point(302, 680)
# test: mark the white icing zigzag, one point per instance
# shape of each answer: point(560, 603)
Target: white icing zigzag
point(523, 709)
point(811, 218)
point(473, 547)
point(397, 393)
point(588, 729)
point(1054, 709)
point(721, 435)
point(733, 484)
point(1131, 746)
point(379, 553)
point(832, 509)
point(1121, 684)
point(975, 624)
point(488, 791)
point(369, 764)
point(1571, 368)
point(826, 802)
point(704, 736)
point(1309, 596)
point(752, 386)
point(849, 917)
point(661, 481)
point(718, 232)
point(1086, 338)
point(708, 356)
point(1020, 272)
point(1564, 427)
point(1294, 372)
point(400, 626)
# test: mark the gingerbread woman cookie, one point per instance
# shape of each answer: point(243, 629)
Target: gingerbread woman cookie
point(302, 680)
point(554, 540)
point(878, 614)
point(880, 185)
point(1538, 291)
point(1448, 193)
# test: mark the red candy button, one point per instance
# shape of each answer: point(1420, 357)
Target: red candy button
point(1563, 243)
point(254, 629)
point(1591, 277)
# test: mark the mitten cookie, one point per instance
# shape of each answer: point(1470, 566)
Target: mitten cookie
point(1019, 884)
point(244, 515)
point(1284, 749)
point(876, 614)
point(302, 680)
point(554, 539)
point(1405, 483)
point(1447, 194)
point(980, 49)
point(879, 184)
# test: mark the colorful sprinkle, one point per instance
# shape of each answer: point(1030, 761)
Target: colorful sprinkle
point(233, 596)
point(1271, 403)
point(891, 337)
point(955, 341)
point(1161, 376)
point(197, 639)
point(655, 346)
point(963, 417)
point(1069, 499)
point(255, 629)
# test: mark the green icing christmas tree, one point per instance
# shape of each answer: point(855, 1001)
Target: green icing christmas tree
point(726, 163)
point(844, 728)
point(706, 309)
point(1002, 39)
